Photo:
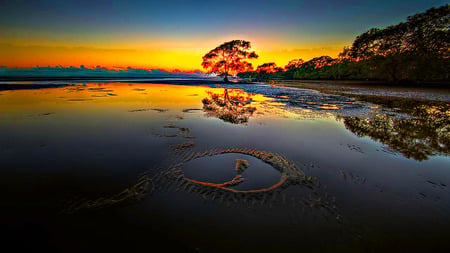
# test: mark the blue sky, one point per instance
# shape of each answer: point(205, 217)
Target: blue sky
point(189, 25)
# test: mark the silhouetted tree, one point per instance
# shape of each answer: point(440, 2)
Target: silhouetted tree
point(293, 64)
point(415, 50)
point(316, 68)
point(268, 68)
point(229, 58)
point(318, 62)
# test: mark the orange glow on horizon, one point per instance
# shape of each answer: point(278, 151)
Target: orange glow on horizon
point(170, 59)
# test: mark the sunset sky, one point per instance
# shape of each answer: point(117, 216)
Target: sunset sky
point(172, 35)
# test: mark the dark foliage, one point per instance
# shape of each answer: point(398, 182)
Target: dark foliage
point(415, 50)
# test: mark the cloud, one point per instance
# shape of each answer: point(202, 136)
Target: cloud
point(59, 71)
point(29, 56)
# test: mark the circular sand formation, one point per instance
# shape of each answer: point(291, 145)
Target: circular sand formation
point(288, 170)
point(232, 171)
point(228, 191)
point(290, 174)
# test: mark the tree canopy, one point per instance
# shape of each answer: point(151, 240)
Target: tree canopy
point(229, 58)
point(415, 50)
point(423, 34)
point(269, 67)
point(293, 64)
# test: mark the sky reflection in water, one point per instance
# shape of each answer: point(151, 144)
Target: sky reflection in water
point(94, 139)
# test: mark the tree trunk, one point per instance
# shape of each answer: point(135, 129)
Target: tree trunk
point(226, 78)
point(226, 98)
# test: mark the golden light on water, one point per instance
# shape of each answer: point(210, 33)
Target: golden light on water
point(111, 98)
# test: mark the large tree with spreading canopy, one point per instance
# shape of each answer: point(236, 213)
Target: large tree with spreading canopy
point(229, 58)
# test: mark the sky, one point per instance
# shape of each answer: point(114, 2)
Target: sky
point(175, 34)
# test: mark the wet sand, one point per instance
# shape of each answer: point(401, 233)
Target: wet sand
point(106, 166)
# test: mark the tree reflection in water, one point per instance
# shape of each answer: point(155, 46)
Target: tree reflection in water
point(231, 106)
point(424, 134)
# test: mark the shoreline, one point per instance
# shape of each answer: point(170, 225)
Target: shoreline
point(370, 83)
point(207, 80)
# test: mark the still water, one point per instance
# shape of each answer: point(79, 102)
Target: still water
point(89, 167)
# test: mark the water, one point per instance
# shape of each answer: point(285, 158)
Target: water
point(103, 166)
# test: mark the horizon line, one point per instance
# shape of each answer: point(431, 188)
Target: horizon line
point(82, 67)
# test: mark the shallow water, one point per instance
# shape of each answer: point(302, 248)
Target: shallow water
point(370, 178)
point(441, 93)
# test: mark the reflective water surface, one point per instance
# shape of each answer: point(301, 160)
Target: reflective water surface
point(243, 167)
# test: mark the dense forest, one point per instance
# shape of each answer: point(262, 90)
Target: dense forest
point(415, 50)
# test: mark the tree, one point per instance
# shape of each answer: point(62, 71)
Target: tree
point(423, 34)
point(429, 32)
point(318, 62)
point(229, 58)
point(293, 64)
point(270, 67)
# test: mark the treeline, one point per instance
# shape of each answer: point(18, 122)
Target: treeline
point(415, 50)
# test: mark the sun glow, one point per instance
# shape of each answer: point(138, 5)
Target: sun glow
point(183, 56)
